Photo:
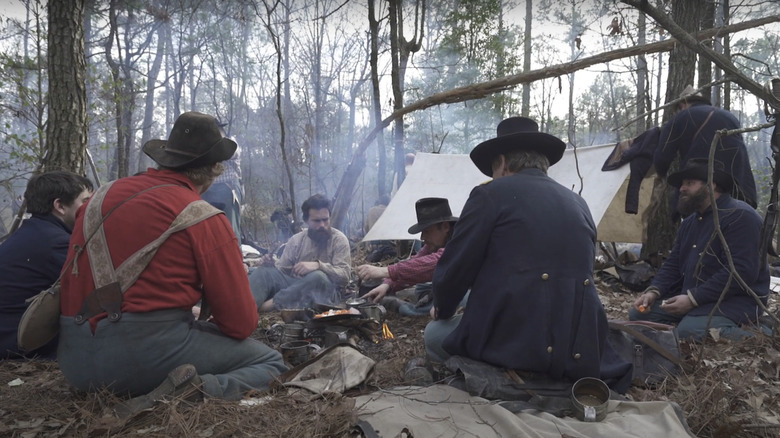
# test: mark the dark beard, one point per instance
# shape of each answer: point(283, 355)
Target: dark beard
point(319, 237)
point(691, 204)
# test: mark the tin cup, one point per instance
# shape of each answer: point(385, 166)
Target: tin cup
point(590, 397)
point(377, 312)
point(298, 352)
point(291, 332)
point(335, 335)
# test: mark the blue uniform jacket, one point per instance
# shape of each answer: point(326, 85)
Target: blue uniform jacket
point(678, 136)
point(524, 245)
point(683, 271)
point(30, 261)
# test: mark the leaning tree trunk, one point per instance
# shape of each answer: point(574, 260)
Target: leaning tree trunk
point(66, 130)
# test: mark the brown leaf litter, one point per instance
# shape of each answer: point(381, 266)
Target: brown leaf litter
point(732, 391)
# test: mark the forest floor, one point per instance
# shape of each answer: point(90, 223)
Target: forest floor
point(732, 391)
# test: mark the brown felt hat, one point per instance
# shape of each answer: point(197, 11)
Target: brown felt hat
point(196, 140)
point(516, 133)
point(431, 211)
point(689, 95)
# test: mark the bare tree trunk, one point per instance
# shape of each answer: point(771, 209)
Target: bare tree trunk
point(718, 41)
point(151, 85)
point(527, 38)
point(727, 55)
point(319, 106)
point(704, 67)
point(398, 98)
point(682, 64)
point(613, 102)
point(400, 49)
point(642, 87)
point(124, 92)
point(287, 107)
point(376, 102)
point(574, 33)
point(270, 8)
point(66, 130)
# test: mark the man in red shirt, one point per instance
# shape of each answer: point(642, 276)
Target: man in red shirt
point(156, 342)
point(436, 222)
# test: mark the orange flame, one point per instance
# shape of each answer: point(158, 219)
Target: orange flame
point(386, 333)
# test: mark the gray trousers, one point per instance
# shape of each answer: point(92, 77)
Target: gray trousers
point(290, 292)
point(434, 335)
point(135, 354)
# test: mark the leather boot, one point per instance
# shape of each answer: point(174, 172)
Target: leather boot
point(182, 382)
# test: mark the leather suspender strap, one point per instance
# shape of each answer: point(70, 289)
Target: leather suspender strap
point(97, 249)
point(709, 116)
point(111, 283)
point(195, 212)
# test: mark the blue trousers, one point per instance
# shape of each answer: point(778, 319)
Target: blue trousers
point(692, 327)
point(418, 309)
point(135, 354)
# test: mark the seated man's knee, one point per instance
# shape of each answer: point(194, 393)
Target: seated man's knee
point(261, 283)
point(692, 327)
point(261, 273)
point(434, 335)
point(317, 278)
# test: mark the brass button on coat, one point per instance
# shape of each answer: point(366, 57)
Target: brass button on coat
point(545, 276)
point(577, 356)
point(586, 282)
point(549, 349)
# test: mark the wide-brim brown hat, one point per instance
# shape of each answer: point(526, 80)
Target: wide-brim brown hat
point(196, 140)
point(431, 211)
point(516, 133)
point(697, 168)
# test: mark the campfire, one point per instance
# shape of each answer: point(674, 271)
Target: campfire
point(325, 327)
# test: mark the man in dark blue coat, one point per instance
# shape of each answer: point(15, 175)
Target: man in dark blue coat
point(525, 246)
point(690, 133)
point(697, 273)
point(31, 259)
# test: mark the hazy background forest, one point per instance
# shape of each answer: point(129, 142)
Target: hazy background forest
point(301, 83)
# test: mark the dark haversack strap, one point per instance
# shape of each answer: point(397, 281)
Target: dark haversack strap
point(650, 343)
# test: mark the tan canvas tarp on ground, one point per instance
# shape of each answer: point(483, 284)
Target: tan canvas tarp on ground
point(444, 411)
point(453, 177)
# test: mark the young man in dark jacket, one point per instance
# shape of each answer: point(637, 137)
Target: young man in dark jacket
point(32, 257)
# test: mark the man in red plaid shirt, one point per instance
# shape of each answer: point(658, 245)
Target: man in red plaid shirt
point(436, 222)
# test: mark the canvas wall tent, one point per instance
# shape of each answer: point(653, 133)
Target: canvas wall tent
point(453, 177)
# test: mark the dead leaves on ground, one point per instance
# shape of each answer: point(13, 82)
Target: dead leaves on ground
point(732, 391)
